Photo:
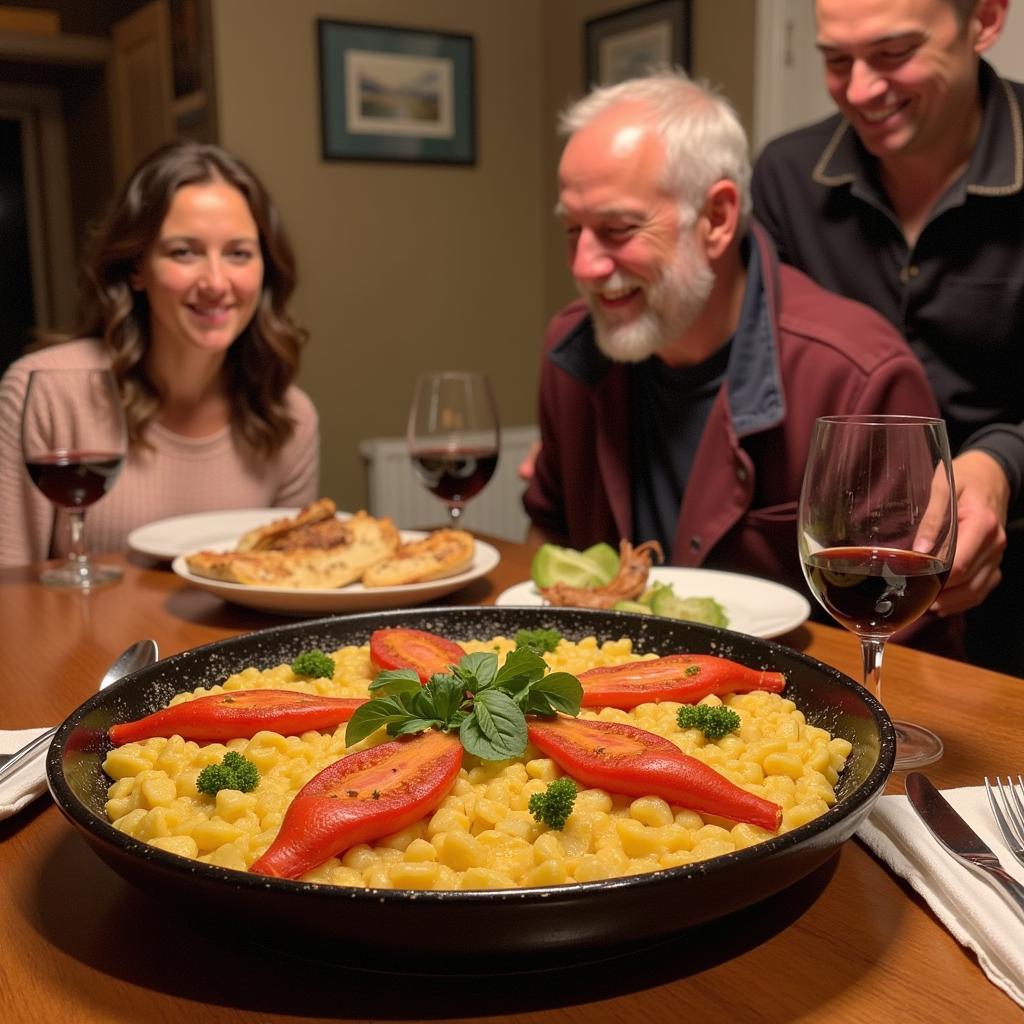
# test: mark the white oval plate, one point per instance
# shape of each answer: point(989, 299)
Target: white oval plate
point(180, 535)
point(755, 606)
point(174, 538)
point(353, 598)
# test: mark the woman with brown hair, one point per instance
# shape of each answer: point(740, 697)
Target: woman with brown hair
point(184, 297)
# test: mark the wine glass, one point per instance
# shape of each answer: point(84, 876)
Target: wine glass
point(876, 533)
point(453, 436)
point(74, 440)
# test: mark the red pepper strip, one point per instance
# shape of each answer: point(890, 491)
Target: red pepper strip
point(362, 797)
point(687, 678)
point(239, 714)
point(623, 759)
point(425, 653)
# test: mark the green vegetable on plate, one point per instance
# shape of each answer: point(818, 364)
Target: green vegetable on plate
point(694, 609)
point(598, 565)
point(661, 599)
point(595, 567)
point(606, 557)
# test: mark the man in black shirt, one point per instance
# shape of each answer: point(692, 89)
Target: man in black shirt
point(911, 199)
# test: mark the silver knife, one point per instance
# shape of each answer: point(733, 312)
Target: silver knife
point(961, 840)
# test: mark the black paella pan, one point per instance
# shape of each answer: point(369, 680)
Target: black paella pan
point(488, 928)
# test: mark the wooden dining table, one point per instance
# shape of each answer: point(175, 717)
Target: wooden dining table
point(849, 943)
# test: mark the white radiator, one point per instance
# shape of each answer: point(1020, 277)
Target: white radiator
point(393, 488)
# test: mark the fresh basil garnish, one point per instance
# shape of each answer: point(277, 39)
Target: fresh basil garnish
point(486, 704)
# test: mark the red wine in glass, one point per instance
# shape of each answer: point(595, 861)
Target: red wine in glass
point(453, 436)
point(875, 591)
point(74, 441)
point(74, 479)
point(455, 474)
point(876, 533)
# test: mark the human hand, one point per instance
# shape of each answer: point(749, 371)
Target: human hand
point(528, 464)
point(982, 494)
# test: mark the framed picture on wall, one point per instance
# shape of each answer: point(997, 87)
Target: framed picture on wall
point(629, 43)
point(389, 93)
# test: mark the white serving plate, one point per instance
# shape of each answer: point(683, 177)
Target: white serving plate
point(180, 535)
point(755, 606)
point(219, 531)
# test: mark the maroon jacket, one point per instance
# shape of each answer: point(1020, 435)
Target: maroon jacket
point(817, 354)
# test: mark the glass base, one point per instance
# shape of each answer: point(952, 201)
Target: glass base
point(915, 746)
point(82, 575)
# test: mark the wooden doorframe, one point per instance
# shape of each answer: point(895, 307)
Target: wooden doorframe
point(788, 86)
point(769, 59)
point(140, 87)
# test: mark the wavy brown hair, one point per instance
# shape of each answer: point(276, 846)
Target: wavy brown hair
point(262, 361)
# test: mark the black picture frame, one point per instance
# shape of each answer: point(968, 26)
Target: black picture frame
point(630, 42)
point(396, 94)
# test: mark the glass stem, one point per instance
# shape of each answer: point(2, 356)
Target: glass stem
point(455, 511)
point(871, 649)
point(76, 545)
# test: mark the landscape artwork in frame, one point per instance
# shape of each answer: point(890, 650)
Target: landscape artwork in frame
point(390, 93)
point(632, 42)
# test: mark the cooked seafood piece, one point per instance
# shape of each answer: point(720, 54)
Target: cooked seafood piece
point(630, 583)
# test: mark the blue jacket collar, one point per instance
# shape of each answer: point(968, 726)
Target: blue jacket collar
point(753, 384)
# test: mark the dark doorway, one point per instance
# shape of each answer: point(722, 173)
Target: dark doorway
point(17, 307)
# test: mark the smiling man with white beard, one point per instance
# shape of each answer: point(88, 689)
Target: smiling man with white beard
point(678, 396)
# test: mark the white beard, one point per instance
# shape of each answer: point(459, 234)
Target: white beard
point(674, 301)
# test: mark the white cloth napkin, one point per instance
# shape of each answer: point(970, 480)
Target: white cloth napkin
point(975, 914)
point(30, 781)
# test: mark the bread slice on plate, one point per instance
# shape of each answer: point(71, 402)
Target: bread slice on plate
point(366, 541)
point(442, 553)
point(276, 535)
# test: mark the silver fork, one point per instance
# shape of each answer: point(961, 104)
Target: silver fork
point(1007, 803)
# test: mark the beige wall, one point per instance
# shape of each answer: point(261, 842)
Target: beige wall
point(411, 267)
point(403, 267)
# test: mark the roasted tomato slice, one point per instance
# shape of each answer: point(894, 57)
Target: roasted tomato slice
point(687, 678)
point(239, 714)
point(362, 797)
point(620, 758)
point(425, 653)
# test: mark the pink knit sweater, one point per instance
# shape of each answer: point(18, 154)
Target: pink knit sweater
point(178, 475)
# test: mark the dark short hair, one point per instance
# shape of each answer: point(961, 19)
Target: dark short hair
point(962, 9)
point(263, 360)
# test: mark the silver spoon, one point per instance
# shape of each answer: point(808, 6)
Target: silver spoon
point(138, 656)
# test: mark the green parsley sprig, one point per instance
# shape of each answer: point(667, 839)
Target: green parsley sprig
point(233, 772)
point(554, 805)
point(714, 721)
point(540, 641)
point(314, 664)
point(488, 705)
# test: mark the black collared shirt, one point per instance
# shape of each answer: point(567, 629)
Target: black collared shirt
point(957, 295)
